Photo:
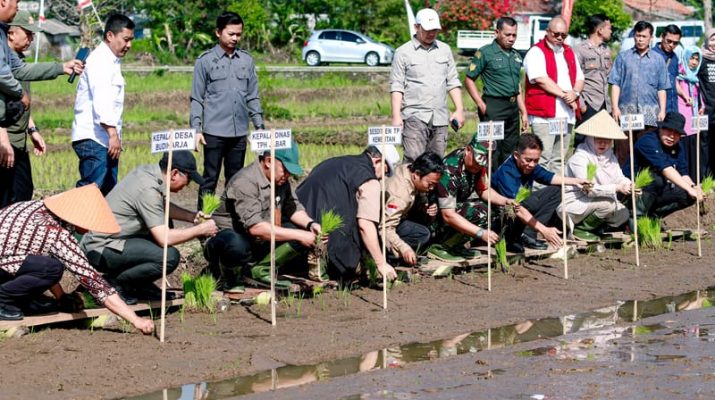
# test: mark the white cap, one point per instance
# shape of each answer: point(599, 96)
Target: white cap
point(428, 19)
point(391, 157)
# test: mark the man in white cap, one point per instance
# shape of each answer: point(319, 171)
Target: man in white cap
point(37, 244)
point(350, 187)
point(423, 72)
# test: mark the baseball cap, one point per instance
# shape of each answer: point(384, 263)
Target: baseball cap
point(185, 162)
point(391, 156)
point(24, 20)
point(428, 19)
point(290, 159)
point(674, 120)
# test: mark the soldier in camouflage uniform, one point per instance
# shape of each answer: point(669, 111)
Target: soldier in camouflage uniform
point(462, 215)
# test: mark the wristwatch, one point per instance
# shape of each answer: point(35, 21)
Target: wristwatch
point(578, 94)
point(32, 130)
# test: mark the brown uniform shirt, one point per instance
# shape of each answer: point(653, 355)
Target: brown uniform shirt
point(596, 64)
point(400, 196)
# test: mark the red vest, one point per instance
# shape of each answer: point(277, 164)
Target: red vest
point(538, 102)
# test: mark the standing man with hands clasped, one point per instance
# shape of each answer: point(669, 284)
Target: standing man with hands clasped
point(499, 64)
point(423, 72)
point(97, 127)
point(16, 180)
point(224, 97)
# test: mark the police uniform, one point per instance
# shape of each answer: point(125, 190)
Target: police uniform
point(224, 97)
point(500, 71)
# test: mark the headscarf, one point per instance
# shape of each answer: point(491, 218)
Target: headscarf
point(608, 170)
point(687, 74)
point(706, 52)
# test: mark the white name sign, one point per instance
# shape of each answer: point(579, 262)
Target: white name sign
point(183, 139)
point(632, 122)
point(558, 126)
point(699, 123)
point(496, 127)
point(261, 140)
point(393, 135)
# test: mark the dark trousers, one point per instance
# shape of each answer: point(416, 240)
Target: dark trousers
point(139, 264)
point(503, 109)
point(590, 112)
point(16, 182)
point(541, 204)
point(36, 274)
point(231, 151)
point(691, 154)
point(414, 234)
point(662, 198)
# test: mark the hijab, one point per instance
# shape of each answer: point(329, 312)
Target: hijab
point(706, 52)
point(608, 170)
point(687, 74)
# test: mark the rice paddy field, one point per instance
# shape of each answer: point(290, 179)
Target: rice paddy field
point(328, 114)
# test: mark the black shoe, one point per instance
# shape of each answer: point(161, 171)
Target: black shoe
point(10, 313)
point(152, 293)
point(533, 243)
point(41, 304)
point(128, 299)
point(514, 248)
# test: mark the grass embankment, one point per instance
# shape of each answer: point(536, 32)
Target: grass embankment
point(328, 113)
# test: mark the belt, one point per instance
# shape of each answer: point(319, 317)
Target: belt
point(511, 99)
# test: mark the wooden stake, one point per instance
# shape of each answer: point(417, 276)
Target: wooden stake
point(384, 215)
point(273, 227)
point(697, 178)
point(563, 124)
point(167, 205)
point(631, 139)
point(489, 206)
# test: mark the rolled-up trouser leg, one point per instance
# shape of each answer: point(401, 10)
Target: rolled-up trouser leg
point(36, 274)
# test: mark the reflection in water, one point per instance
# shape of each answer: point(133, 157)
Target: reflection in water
point(601, 325)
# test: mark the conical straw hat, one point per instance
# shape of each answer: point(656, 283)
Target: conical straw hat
point(84, 207)
point(601, 125)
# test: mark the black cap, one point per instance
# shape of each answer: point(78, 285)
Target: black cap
point(674, 120)
point(185, 162)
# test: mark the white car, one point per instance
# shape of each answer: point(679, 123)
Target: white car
point(338, 45)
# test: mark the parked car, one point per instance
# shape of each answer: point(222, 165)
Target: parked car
point(338, 45)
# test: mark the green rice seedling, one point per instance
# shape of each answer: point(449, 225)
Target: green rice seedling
point(89, 301)
point(643, 178)
point(198, 292)
point(500, 249)
point(522, 194)
point(591, 169)
point(649, 233)
point(329, 222)
point(210, 203)
point(708, 184)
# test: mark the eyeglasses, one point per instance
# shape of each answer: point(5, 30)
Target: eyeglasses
point(561, 35)
point(672, 42)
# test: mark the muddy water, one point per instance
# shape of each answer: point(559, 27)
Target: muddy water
point(610, 337)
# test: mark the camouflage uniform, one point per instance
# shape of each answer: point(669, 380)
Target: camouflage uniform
point(459, 189)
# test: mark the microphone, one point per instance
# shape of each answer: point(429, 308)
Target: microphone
point(82, 55)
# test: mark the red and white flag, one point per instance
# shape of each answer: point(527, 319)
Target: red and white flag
point(82, 4)
point(41, 17)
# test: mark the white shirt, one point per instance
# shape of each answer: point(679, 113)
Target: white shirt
point(100, 97)
point(535, 67)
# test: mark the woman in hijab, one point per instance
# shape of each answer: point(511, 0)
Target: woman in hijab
point(589, 210)
point(690, 104)
point(706, 75)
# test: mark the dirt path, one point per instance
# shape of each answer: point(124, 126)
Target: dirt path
point(65, 362)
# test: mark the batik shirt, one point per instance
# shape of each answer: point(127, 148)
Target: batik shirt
point(29, 228)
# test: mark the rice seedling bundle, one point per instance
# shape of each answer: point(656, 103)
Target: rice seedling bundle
point(198, 292)
point(502, 261)
point(708, 184)
point(522, 194)
point(649, 234)
point(643, 178)
point(210, 203)
point(591, 169)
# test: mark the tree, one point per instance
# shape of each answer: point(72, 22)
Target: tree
point(472, 14)
point(613, 9)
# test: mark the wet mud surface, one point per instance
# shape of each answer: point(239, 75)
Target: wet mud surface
point(66, 362)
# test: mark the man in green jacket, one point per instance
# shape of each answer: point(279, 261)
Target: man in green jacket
point(16, 178)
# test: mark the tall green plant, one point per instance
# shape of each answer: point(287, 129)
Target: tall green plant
point(502, 260)
point(198, 292)
point(643, 178)
point(649, 233)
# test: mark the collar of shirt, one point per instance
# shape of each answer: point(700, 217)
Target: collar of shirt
point(259, 176)
point(635, 51)
point(556, 49)
point(104, 48)
point(499, 48)
point(221, 52)
point(416, 43)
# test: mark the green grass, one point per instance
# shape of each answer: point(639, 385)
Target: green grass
point(643, 178)
point(707, 184)
point(198, 292)
point(591, 169)
point(649, 233)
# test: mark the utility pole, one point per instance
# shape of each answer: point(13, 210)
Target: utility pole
point(708, 14)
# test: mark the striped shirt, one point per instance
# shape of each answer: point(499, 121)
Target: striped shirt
point(29, 228)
